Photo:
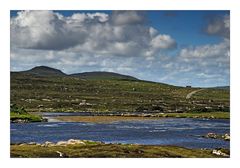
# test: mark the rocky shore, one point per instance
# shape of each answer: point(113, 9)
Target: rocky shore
point(20, 120)
point(60, 143)
point(225, 137)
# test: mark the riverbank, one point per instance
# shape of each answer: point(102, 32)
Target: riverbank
point(111, 117)
point(25, 118)
point(20, 115)
point(85, 149)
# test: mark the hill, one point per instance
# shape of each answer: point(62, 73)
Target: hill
point(102, 75)
point(44, 71)
point(48, 89)
point(222, 87)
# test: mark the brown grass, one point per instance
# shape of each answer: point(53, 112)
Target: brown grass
point(101, 119)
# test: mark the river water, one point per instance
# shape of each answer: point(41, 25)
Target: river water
point(183, 132)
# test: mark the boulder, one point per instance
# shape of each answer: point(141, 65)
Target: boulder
point(61, 143)
point(47, 143)
point(70, 142)
point(211, 135)
point(226, 137)
point(219, 153)
point(61, 154)
point(32, 143)
point(75, 141)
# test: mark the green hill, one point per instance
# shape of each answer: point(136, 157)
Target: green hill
point(102, 75)
point(52, 90)
point(44, 71)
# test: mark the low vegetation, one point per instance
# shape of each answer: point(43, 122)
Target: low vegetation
point(101, 150)
point(112, 117)
point(208, 115)
point(93, 92)
point(18, 114)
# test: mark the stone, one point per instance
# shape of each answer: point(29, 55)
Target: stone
point(70, 142)
point(219, 153)
point(74, 141)
point(32, 143)
point(47, 143)
point(61, 154)
point(44, 120)
point(22, 144)
point(40, 106)
point(61, 143)
point(226, 137)
point(211, 135)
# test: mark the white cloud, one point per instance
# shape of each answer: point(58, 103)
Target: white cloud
point(120, 42)
point(218, 51)
point(219, 26)
point(127, 17)
point(124, 33)
point(153, 32)
point(163, 42)
point(44, 30)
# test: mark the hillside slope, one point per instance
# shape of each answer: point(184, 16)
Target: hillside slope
point(44, 71)
point(102, 75)
point(69, 93)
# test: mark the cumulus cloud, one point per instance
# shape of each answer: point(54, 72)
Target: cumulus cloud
point(123, 33)
point(207, 64)
point(220, 50)
point(163, 41)
point(219, 25)
point(128, 17)
point(122, 42)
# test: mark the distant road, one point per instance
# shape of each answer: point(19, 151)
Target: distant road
point(189, 95)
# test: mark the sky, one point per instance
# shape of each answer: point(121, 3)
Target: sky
point(174, 47)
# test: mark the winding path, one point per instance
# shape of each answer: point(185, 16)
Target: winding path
point(189, 95)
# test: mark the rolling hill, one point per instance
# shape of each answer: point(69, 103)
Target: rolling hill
point(102, 75)
point(44, 71)
point(47, 89)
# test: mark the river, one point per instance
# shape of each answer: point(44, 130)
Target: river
point(183, 132)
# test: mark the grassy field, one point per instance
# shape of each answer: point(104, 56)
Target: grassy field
point(66, 93)
point(209, 115)
point(19, 114)
point(101, 150)
point(24, 117)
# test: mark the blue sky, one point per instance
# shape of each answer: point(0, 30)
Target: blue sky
point(175, 47)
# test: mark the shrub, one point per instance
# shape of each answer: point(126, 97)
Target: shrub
point(15, 109)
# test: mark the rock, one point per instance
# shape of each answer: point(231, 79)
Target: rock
point(211, 135)
point(61, 143)
point(210, 100)
point(61, 154)
point(32, 143)
point(219, 153)
point(226, 137)
point(47, 143)
point(212, 117)
point(46, 100)
point(70, 142)
point(44, 120)
point(19, 121)
point(22, 144)
point(146, 115)
point(74, 141)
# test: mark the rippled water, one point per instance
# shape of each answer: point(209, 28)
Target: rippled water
point(181, 132)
